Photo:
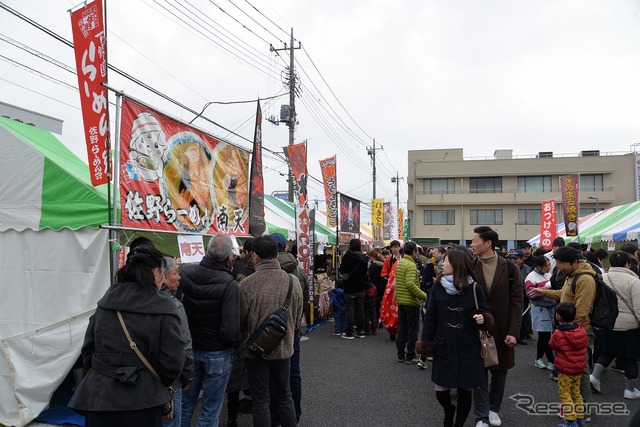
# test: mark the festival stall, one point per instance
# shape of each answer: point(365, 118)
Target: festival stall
point(54, 263)
point(617, 224)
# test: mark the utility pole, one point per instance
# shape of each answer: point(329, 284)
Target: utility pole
point(371, 151)
point(397, 179)
point(291, 123)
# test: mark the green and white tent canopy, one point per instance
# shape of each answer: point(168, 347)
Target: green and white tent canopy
point(54, 264)
point(280, 218)
point(617, 224)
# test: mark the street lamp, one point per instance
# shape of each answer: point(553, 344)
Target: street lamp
point(516, 239)
point(597, 202)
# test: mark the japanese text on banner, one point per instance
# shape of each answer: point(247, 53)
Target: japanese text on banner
point(91, 66)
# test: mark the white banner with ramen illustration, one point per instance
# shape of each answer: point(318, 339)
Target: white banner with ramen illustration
point(177, 178)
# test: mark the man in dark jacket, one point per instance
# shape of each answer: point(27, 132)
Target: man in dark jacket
point(355, 264)
point(500, 280)
point(212, 303)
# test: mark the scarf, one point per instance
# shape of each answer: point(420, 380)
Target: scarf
point(447, 284)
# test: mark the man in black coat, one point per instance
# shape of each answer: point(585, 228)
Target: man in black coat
point(212, 303)
point(355, 264)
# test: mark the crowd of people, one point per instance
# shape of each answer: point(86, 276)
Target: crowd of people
point(459, 291)
point(165, 331)
point(191, 325)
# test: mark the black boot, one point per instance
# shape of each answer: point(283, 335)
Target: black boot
point(444, 398)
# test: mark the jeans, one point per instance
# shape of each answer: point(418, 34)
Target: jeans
point(355, 309)
point(340, 322)
point(177, 410)
point(211, 372)
point(408, 324)
point(261, 373)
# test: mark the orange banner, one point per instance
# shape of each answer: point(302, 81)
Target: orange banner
point(548, 228)
point(88, 41)
point(297, 155)
point(329, 177)
point(175, 177)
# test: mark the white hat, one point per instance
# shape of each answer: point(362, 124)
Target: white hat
point(145, 122)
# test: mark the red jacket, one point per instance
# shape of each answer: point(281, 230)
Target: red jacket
point(388, 264)
point(570, 343)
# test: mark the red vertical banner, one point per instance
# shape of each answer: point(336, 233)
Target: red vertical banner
point(569, 185)
point(330, 179)
point(297, 155)
point(548, 227)
point(89, 45)
point(257, 225)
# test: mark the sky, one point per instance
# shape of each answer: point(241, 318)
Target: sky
point(546, 75)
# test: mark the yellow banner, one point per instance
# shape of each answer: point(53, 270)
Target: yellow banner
point(401, 223)
point(377, 213)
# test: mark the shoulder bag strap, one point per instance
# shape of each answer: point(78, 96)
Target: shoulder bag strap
point(475, 296)
point(623, 300)
point(287, 301)
point(134, 346)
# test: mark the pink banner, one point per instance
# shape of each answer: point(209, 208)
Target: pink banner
point(570, 203)
point(548, 223)
point(91, 66)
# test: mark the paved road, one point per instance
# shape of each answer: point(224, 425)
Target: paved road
point(359, 383)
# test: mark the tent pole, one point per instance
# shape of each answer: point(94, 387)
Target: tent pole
point(114, 237)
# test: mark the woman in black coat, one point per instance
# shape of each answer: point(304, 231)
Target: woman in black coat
point(451, 335)
point(119, 390)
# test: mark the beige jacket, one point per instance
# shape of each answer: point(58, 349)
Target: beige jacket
point(262, 293)
point(627, 285)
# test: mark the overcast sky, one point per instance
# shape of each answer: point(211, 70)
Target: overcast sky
point(555, 75)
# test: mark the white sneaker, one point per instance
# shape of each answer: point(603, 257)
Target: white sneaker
point(551, 366)
point(635, 394)
point(539, 363)
point(494, 419)
point(481, 424)
point(595, 384)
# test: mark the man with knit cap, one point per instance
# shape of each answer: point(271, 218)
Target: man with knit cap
point(409, 298)
point(500, 280)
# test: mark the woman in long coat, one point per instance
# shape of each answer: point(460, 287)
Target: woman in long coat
point(119, 390)
point(451, 334)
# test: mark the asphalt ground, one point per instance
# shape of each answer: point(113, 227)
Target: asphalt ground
point(359, 383)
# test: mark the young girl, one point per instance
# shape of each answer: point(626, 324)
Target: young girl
point(450, 331)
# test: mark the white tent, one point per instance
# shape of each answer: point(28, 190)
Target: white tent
point(54, 265)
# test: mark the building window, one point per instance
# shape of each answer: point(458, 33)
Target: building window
point(486, 216)
point(591, 183)
point(485, 185)
point(447, 217)
point(438, 186)
point(529, 216)
point(534, 184)
point(586, 211)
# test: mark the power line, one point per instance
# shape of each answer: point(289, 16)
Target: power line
point(259, 24)
point(329, 87)
point(39, 73)
point(41, 94)
point(117, 70)
point(267, 18)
